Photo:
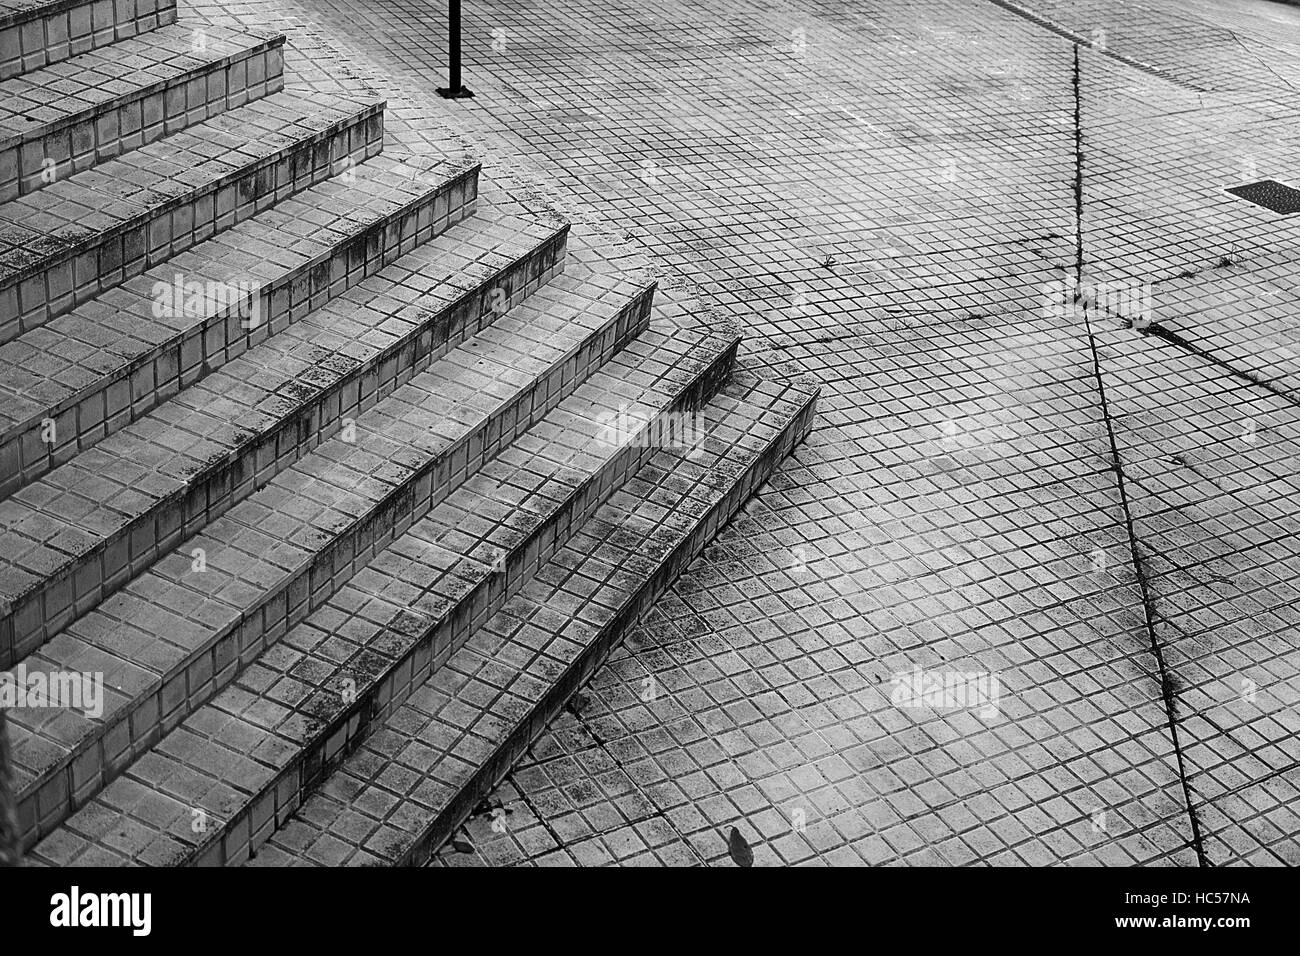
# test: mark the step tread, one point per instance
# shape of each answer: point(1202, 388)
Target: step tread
point(151, 635)
point(35, 33)
point(283, 699)
point(397, 784)
point(59, 219)
point(46, 525)
point(71, 88)
point(16, 11)
point(52, 367)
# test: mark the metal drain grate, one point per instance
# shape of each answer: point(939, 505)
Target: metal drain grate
point(1270, 194)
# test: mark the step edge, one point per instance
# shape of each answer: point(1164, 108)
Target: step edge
point(234, 455)
point(29, 790)
point(579, 670)
point(42, 11)
point(202, 325)
point(492, 769)
point(429, 626)
point(191, 195)
point(39, 130)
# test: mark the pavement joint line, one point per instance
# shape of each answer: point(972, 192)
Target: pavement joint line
point(1079, 40)
point(1157, 331)
point(1258, 59)
point(1223, 732)
point(1250, 378)
point(1139, 566)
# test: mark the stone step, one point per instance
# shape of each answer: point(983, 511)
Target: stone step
point(337, 675)
point(35, 33)
point(298, 709)
point(92, 230)
point(92, 107)
point(180, 632)
point(86, 374)
point(417, 777)
point(72, 538)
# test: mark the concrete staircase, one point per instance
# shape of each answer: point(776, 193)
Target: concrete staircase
point(340, 481)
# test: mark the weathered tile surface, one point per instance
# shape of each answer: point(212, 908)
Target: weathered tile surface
point(884, 196)
point(1091, 496)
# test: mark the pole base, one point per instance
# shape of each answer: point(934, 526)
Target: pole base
point(463, 93)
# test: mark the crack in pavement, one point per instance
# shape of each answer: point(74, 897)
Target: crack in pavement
point(1139, 565)
point(1250, 378)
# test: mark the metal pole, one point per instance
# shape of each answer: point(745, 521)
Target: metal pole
point(455, 89)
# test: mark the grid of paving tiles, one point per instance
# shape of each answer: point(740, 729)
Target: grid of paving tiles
point(402, 792)
point(761, 697)
point(884, 197)
point(273, 556)
point(539, 365)
point(1213, 491)
point(1207, 407)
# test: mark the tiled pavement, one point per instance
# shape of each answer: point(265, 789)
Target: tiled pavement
point(294, 417)
point(891, 198)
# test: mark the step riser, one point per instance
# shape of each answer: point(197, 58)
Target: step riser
point(60, 282)
point(149, 113)
point(528, 730)
point(98, 573)
point(154, 377)
point(134, 729)
point(431, 645)
point(68, 29)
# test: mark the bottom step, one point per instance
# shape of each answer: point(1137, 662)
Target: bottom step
point(406, 789)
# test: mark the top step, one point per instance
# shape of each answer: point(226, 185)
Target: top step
point(36, 33)
point(67, 117)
